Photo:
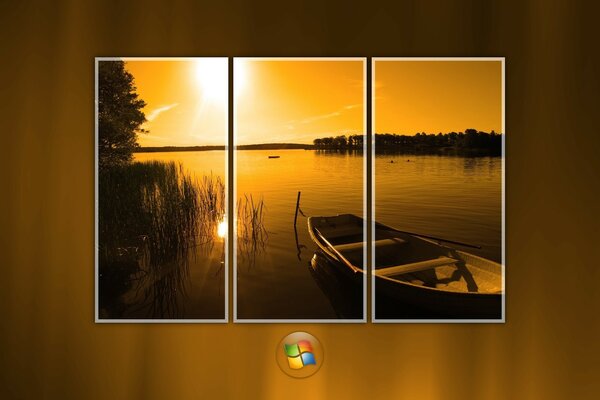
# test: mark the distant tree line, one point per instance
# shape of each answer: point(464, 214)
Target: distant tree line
point(470, 139)
point(340, 142)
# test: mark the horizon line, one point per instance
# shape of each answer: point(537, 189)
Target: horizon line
point(312, 144)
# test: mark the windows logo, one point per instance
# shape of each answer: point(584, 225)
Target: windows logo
point(300, 354)
point(297, 355)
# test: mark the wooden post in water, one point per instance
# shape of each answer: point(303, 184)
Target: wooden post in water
point(297, 207)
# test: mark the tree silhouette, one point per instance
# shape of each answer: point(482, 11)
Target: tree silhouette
point(119, 114)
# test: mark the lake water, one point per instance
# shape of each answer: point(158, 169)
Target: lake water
point(278, 283)
point(191, 290)
point(453, 197)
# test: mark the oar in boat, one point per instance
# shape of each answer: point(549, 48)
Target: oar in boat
point(389, 228)
point(337, 254)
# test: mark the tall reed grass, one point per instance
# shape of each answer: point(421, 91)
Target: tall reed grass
point(153, 217)
point(252, 233)
point(159, 204)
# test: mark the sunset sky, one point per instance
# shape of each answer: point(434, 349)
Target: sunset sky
point(186, 101)
point(292, 101)
point(437, 96)
point(296, 101)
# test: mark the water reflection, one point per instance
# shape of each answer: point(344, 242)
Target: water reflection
point(339, 152)
point(299, 246)
point(252, 234)
point(134, 288)
point(345, 296)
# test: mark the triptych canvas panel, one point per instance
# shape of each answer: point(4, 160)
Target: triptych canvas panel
point(295, 171)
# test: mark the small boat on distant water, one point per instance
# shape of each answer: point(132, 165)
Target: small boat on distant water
point(412, 269)
point(274, 156)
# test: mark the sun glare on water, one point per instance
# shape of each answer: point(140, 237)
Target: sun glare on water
point(211, 75)
point(222, 229)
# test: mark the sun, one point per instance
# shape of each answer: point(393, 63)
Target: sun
point(240, 76)
point(211, 76)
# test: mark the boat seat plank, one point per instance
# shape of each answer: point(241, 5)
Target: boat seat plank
point(334, 232)
point(415, 267)
point(358, 246)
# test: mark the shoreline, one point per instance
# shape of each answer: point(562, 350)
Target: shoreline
point(383, 150)
point(265, 146)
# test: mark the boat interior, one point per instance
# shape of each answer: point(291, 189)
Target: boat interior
point(425, 263)
point(345, 233)
point(407, 258)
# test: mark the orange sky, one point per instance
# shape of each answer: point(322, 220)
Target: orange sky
point(186, 101)
point(437, 96)
point(297, 101)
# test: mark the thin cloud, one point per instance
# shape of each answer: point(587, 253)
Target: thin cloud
point(324, 116)
point(155, 140)
point(320, 117)
point(157, 111)
point(356, 82)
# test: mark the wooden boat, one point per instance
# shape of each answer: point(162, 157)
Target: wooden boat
point(412, 269)
point(274, 156)
point(341, 240)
